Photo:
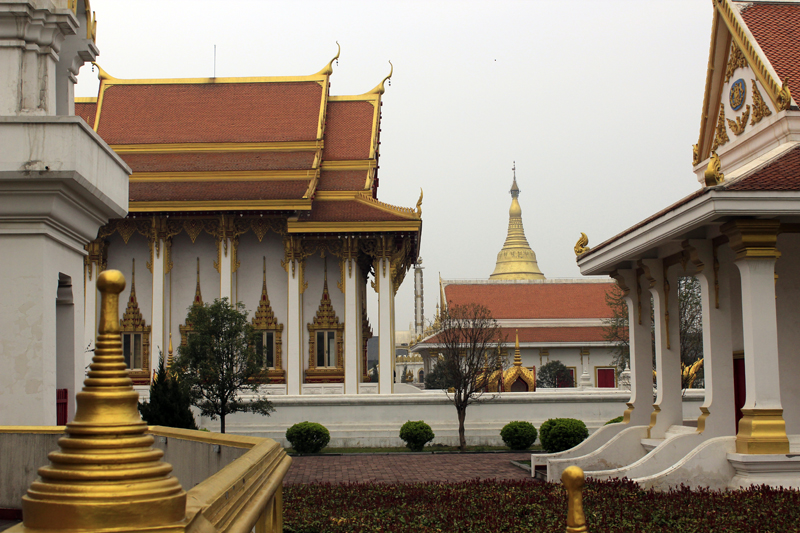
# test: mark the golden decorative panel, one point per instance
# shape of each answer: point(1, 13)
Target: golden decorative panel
point(132, 321)
point(736, 60)
point(265, 320)
point(721, 135)
point(737, 126)
point(760, 108)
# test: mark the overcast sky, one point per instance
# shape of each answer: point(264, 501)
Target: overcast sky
point(598, 102)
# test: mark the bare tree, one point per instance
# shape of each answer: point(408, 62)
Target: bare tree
point(469, 341)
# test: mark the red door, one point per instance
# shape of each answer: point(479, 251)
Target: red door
point(61, 407)
point(605, 378)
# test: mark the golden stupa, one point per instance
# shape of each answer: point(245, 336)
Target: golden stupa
point(516, 260)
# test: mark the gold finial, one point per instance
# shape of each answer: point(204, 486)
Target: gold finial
point(580, 246)
point(170, 356)
point(380, 89)
point(516, 260)
point(517, 354)
point(695, 154)
point(106, 473)
point(573, 481)
point(328, 69)
point(713, 174)
point(419, 204)
point(198, 296)
point(784, 96)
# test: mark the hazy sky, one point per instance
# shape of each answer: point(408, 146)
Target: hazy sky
point(598, 102)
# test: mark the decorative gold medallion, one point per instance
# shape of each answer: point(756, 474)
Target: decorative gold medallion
point(738, 93)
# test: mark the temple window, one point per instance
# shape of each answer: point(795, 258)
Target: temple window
point(265, 348)
point(326, 348)
point(132, 350)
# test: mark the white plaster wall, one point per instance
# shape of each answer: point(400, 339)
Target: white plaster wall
point(788, 309)
point(375, 420)
point(28, 328)
point(314, 275)
point(184, 277)
point(249, 277)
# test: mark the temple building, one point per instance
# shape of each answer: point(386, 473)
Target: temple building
point(541, 320)
point(261, 190)
point(739, 235)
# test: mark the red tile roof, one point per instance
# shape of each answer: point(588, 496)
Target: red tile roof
point(225, 112)
point(188, 191)
point(534, 300)
point(348, 130)
point(776, 27)
point(350, 211)
point(782, 174)
point(342, 180)
point(201, 162)
point(86, 111)
point(546, 335)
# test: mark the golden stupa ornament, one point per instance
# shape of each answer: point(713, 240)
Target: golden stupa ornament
point(107, 475)
point(516, 260)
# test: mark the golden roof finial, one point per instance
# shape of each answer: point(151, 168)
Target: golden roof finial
point(380, 89)
point(580, 246)
point(516, 260)
point(419, 204)
point(517, 354)
point(713, 174)
point(170, 356)
point(106, 473)
point(102, 74)
point(328, 69)
point(198, 296)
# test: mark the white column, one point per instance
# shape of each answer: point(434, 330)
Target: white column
point(718, 416)
point(352, 326)
point(641, 353)
point(762, 429)
point(157, 320)
point(89, 312)
point(294, 329)
point(383, 277)
point(668, 407)
point(225, 270)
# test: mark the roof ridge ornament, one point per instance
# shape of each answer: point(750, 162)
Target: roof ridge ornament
point(102, 74)
point(328, 69)
point(380, 89)
point(713, 174)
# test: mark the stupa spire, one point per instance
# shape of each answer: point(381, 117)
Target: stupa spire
point(516, 260)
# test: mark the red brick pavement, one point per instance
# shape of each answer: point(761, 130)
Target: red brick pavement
point(405, 468)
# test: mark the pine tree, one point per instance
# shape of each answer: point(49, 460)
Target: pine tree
point(169, 403)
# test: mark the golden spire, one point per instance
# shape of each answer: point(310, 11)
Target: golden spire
point(516, 260)
point(517, 354)
point(198, 297)
point(106, 473)
point(170, 357)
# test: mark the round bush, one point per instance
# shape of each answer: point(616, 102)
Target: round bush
point(416, 435)
point(518, 435)
point(614, 420)
point(308, 437)
point(559, 434)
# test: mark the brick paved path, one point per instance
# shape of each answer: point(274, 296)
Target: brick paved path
point(405, 468)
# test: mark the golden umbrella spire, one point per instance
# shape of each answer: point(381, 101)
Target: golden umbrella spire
point(106, 475)
point(516, 260)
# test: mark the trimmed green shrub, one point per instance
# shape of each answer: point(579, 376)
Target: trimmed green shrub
point(416, 435)
point(559, 434)
point(614, 420)
point(308, 437)
point(518, 435)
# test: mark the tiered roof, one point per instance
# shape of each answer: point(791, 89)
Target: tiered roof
point(249, 144)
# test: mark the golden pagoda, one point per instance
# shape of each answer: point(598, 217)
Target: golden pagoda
point(516, 260)
point(517, 378)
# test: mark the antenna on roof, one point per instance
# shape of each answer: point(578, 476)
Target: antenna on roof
point(215, 60)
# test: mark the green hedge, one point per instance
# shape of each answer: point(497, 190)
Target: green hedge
point(559, 434)
point(614, 420)
point(308, 437)
point(518, 435)
point(416, 435)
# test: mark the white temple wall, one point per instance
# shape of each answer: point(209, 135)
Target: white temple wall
point(314, 276)
point(184, 277)
point(249, 276)
point(787, 289)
